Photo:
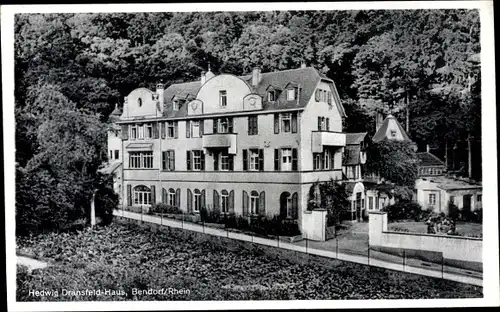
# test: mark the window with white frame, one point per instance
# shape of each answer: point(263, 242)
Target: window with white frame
point(223, 98)
point(432, 199)
point(170, 129)
point(289, 211)
point(197, 200)
point(141, 160)
point(148, 131)
point(195, 128)
point(224, 161)
point(175, 105)
point(254, 203)
point(286, 159)
point(142, 195)
point(317, 161)
point(171, 197)
point(133, 132)
point(290, 94)
point(224, 200)
point(254, 159)
point(197, 159)
point(327, 159)
point(140, 131)
point(223, 126)
point(286, 121)
point(370, 202)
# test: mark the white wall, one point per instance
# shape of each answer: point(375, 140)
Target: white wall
point(452, 247)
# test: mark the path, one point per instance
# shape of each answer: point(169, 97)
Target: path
point(309, 248)
point(31, 263)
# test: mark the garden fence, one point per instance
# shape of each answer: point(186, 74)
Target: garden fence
point(335, 248)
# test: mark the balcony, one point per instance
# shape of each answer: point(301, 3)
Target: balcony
point(220, 140)
point(322, 138)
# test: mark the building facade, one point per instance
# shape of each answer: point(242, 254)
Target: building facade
point(250, 145)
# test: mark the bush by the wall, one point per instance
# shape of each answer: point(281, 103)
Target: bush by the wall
point(164, 208)
point(403, 210)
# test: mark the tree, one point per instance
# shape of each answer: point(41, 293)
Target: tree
point(395, 161)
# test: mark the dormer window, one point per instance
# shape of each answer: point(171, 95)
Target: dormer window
point(175, 105)
point(223, 98)
point(290, 94)
point(139, 102)
point(271, 96)
point(393, 133)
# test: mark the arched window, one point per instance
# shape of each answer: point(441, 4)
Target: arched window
point(171, 197)
point(142, 195)
point(254, 202)
point(197, 200)
point(286, 205)
point(289, 205)
point(139, 102)
point(224, 200)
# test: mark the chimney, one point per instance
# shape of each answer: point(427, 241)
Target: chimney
point(428, 148)
point(379, 119)
point(203, 78)
point(303, 65)
point(160, 90)
point(256, 76)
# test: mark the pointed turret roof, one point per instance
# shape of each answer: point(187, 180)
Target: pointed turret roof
point(392, 130)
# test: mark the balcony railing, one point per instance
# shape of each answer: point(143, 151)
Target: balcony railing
point(326, 138)
point(220, 140)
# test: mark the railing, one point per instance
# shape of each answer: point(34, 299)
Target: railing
point(354, 249)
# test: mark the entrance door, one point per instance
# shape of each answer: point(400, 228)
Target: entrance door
point(358, 206)
point(467, 203)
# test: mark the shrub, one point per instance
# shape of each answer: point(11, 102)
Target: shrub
point(164, 208)
point(403, 210)
point(453, 211)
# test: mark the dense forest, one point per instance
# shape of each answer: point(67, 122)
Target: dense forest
point(72, 69)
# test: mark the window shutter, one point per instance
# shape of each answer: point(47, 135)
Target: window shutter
point(256, 125)
point(214, 125)
point(261, 159)
point(276, 123)
point(276, 160)
point(216, 161)
point(231, 202)
point(294, 159)
point(262, 204)
point(202, 160)
point(178, 198)
point(188, 128)
point(327, 124)
point(189, 200)
point(172, 154)
point(202, 123)
point(216, 201)
point(319, 123)
point(294, 122)
point(231, 162)
point(245, 160)
point(317, 95)
point(329, 98)
point(230, 125)
point(245, 203)
point(124, 133)
point(153, 194)
point(129, 195)
point(188, 160)
point(250, 125)
point(202, 199)
point(295, 208)
point(163, 129)
point(332, 161)
point(176, 129)
point(155, 130)
point(280, 153)
point(164, 160)
point(283, 204)
point(163, 195)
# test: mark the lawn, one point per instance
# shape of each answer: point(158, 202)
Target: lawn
point(123, 257)
point(463, 228)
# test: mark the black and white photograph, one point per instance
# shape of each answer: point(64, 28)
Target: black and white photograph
point(250, 155)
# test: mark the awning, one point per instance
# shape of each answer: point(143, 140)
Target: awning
point(140, 146)
point(110, 168)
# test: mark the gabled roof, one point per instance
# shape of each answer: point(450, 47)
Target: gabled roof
point(354, 138)
point(110, 167)
point(429, 159)
point(381, 133)
point(306, 78)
